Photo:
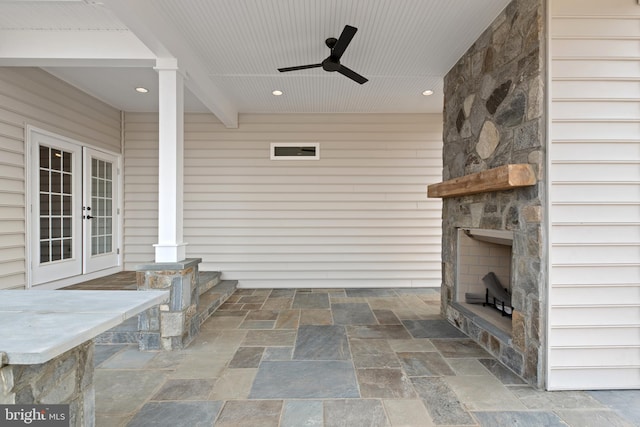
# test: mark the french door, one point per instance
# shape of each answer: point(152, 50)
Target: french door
point(73, 208)
point(99, 210)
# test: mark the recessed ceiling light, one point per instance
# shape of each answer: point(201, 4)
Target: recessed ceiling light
point(276, 93)
point(141, 89)
point(427, 93)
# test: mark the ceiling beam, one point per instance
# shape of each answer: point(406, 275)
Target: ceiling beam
point(160, 35)
point(77, 48)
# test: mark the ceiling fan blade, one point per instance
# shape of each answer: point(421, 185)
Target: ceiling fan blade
point(352, 75)
point(343, 41)
point(299, 67)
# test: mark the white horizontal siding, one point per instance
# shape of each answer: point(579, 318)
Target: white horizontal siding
point(359, 216)
point(594, 295)
point(140, 225)
point(31, 96)
point(606, 377)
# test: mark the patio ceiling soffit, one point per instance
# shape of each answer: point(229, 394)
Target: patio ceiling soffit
point(163, 39)
point(73, 48)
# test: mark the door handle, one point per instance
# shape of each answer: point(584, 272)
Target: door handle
point(88, 217)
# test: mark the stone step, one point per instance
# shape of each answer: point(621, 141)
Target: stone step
point(207, 280)
point(125, 333)
point(212, 293)
point(213, 298)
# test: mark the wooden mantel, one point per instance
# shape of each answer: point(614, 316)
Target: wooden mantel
point(500, 178)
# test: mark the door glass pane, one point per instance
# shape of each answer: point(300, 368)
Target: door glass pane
point(66, 227)
point(56, 159)
point(45, 255)
point(56, 228)
point(56, 182)
point(44, 229)
point(44, 180)
point(67, 187)
point(56, 205)
point(66, 205)
point(101, 206)
point(67, 251)
point(44, 157)
point(56, 250)
point(44, 204)
point(66, 162)
point(55, 175)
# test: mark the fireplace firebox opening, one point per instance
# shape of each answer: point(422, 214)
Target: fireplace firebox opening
point(483, 275)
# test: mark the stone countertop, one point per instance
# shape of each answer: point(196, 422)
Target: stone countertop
point(36, 326)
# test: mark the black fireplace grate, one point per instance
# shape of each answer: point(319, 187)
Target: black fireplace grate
point(505, 309)
point(495, 296)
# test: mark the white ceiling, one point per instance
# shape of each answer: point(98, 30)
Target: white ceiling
point(231, 49)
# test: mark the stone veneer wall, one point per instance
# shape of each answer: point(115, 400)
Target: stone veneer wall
point(494, 115)
point(172, 326)
point(66, 379)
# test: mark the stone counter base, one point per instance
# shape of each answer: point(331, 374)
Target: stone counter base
point(66, 379)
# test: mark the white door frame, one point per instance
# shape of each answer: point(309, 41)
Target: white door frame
point(31, 192)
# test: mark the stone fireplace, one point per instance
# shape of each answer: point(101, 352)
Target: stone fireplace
point(493, 171)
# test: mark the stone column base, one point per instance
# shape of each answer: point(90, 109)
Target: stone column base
point(169, 326)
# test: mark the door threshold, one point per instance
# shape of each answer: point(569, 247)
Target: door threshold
point(57, 284)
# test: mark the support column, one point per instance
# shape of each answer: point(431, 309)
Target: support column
point(170, 246)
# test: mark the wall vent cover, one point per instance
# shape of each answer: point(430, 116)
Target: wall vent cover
point(295, 151)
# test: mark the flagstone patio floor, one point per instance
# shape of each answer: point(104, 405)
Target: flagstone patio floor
point(334, 357)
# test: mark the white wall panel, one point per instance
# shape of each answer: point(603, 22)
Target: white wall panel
point(598, 89)
point(594, 46)
point(594, 169)
point(31, 96)
point(597, 26)
point(602, 377)
point(572, 337)
point(605, 233)
point(593, 295)
point(595, 212)
point(606, 151)
point(613, 171)
point(597, 110)
point(605, 273)
point(359, 216)
point(624, 356)
point(594, 9)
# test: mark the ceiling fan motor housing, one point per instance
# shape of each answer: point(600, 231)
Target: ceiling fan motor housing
point(331, 64)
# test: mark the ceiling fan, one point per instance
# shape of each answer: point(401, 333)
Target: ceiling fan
point(332, 62)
